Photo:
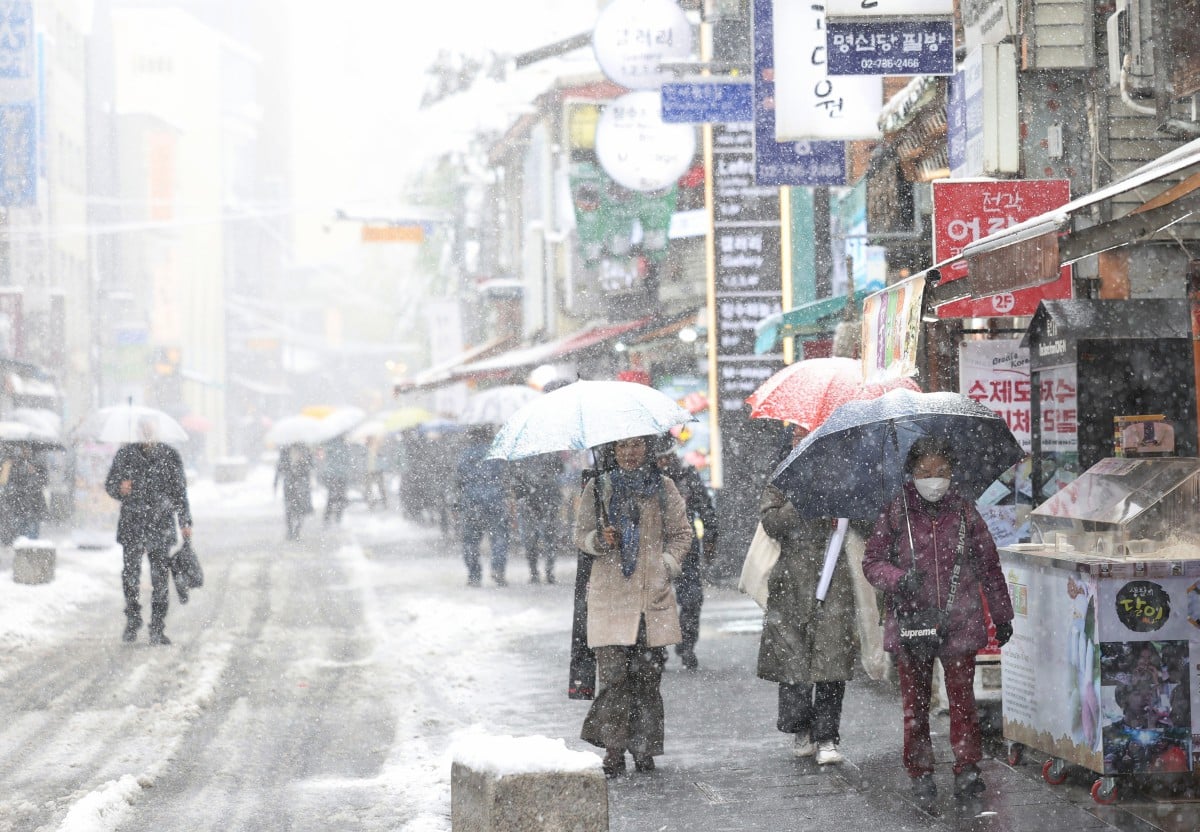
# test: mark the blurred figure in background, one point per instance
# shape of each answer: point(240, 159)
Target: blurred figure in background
point(336, 475)
point(536, 485)
point(24, 481)
point(482, 502)
point(294, 468)
point(689, 586)
point(375, 479)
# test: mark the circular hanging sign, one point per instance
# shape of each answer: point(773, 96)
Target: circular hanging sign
point(637, 149)
point(633, 37)
point(1143, 606)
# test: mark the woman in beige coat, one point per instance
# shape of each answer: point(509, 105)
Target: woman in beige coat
point(637, 530)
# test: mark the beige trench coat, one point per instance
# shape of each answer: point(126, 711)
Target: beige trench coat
point(616, 604)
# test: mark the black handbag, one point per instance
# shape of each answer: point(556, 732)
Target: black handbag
point(185, 569)
point(581, 681)
point(922, 630)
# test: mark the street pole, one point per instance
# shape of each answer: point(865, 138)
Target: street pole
point(1193, 291)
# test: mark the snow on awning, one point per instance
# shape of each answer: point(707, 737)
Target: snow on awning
point(440, 375)
point(1031, 252)
point(551, 352)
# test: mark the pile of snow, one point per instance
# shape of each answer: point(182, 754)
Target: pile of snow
point(504, 755)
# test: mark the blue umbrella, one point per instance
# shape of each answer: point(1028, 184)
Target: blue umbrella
point(586, 414)
point(853, 464)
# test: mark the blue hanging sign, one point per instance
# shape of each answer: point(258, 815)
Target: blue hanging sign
point(708, 100)
point(784, 163)
point(889, 47)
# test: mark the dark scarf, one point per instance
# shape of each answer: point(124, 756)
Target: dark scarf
point(627, 488)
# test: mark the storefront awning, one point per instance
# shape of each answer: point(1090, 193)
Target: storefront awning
point(1031, 252)
point(550, 352)
point(441, 374)
point(812, 319)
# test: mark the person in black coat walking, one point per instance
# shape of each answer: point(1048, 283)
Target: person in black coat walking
point(689, 586)
point(295, 470)
point(147, 478)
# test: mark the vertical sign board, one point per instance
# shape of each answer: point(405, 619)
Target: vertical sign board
point(964, 118)
point(809, 104)
point(18, 105)
point(784, 163)
point(964, 212)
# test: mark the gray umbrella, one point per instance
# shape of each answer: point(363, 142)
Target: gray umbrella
point(853, 464)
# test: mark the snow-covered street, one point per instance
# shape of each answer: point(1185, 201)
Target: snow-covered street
point(323, 685)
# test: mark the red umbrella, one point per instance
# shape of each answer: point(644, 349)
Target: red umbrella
point(805, 393)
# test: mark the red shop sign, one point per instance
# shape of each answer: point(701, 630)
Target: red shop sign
point(969, 210)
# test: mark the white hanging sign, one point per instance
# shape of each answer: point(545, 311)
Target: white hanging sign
point(809, 104)
point(637, 148)
point(632, 38)
point(892, 9)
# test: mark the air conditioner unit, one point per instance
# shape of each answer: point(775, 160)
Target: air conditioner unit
point(1130, 32)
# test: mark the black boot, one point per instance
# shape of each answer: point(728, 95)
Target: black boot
point(158, 620)
point(133, 623)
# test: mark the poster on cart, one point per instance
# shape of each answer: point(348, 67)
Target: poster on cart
point(1148, 677)
point(1051, 670)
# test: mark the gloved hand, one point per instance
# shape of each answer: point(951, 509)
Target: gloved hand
point(910, 582)
point(1004, 632)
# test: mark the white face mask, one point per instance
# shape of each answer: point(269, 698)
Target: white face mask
point(932, 488)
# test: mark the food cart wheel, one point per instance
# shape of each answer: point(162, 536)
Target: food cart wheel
point(1104, 791)
point(1054, 771)
point(1016, 753)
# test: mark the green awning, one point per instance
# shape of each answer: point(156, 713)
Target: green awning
point(815, 318)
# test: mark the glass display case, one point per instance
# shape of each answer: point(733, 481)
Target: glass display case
point(1123, 509)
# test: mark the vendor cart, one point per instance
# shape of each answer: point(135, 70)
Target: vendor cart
point(1101, 671)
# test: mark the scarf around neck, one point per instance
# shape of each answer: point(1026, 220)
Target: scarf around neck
point(623, 513)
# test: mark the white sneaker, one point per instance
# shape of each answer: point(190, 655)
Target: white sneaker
point(802, 746)
point(828, 755)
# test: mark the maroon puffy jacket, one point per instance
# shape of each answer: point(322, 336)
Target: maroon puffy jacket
point(935, 536)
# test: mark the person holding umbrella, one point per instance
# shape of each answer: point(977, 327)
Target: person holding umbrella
point(633, 522)
point(931, 550)
point(147, 478)
point(808, 646)
point(24, 480)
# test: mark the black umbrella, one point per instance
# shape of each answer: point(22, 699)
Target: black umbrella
point(853, 464)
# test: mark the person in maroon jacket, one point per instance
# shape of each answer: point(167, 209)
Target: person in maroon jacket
point(930, 506)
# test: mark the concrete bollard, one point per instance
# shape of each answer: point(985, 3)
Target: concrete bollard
point(33, 561)
point(526, 784)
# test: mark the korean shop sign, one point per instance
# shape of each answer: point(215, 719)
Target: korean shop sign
point(966, 211)
point(995, 373)
point(890, 37)
point(809, 104)
point(633, 39)
point(637, 149)
point(785, 162)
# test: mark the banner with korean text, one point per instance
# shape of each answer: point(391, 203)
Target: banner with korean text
point(18, 104)
point(995, 373)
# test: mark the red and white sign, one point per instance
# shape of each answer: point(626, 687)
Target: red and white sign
point(968, 210)
point(996, 374)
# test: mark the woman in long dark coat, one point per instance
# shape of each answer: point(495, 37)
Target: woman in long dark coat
point(295, 469)
point(807, 647)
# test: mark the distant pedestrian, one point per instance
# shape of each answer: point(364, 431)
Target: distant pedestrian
point(375, 479)
point(921, 535)
point(481, 496)
point(537, 489)
point(294, 469)
point(689, 586)
point(807, 646)
point(24, 481)
point(633, 521)
point(147, 478)
point(336, 476)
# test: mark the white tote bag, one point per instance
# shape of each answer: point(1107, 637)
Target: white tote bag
point(761, 558)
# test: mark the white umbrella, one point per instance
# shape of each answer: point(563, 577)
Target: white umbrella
point(370, 429)
point(123, 423)
point(586, 414)
point(340, 421)
point(293, 430)
point(495, 405)
point(23, 432)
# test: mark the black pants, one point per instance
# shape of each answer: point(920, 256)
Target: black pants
point(816, 709)
point(160, 574)
point(540, 523)
point(627, 714)
point(335, 500)
point(689, 593)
